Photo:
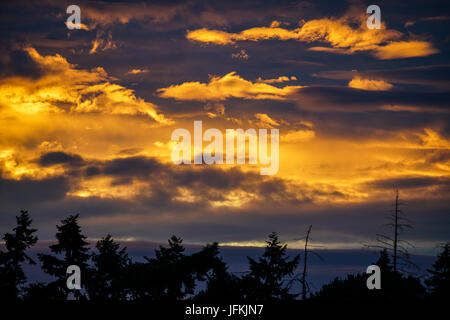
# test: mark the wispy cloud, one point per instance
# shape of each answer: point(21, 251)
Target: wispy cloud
point(340, 33)
point(137, 71)
point(230, 85)
point(367, 84)
point(277, 80)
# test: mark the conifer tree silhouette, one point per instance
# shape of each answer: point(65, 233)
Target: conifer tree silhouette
point(108, 277)
point(394, 285)
point(12, 276)
point(221, 285)
point(168, 276)
point(439, 281)
point(72, 246)
point(175, 277)
point(267, 279)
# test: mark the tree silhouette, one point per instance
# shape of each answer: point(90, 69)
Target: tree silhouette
point(394, 285)
point(305, 262)
point(383, 262)
point(108, 279)
point(302, 280)
point(12, 276)
point(394, 244)
point(174, 275)
point(168, 276)
point(439, 281)
point(268, 276)
point(73, 248)
point(220, 284)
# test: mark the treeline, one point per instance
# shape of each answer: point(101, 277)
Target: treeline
point(108, 273)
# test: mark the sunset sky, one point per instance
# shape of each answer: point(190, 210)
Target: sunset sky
point(86, 118)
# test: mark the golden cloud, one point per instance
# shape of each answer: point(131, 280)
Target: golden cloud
point(64, 88)
point(266, 121)
point(371, 85)
point(275, 24)
point(230, 85)
point(298, 136)
point(137, 71)
point(277, 80)
point(405, 49)
point(211, 36)
point(339, 33)
point(102, 42)
point(253, 34)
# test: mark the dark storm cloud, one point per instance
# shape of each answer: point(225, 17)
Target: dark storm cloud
point(352, 224)
point(215, 178)
point(60, 157)
point(202, 179)
point(143, 168)
point(412, 182)
point(92, 171)
point(163, 184)
point(354, 100)
point(26, 191)
point(377, 124)
point(132, 166)
point(163, 180)
point(16, 62)
point(206, 182)
point(438, 156)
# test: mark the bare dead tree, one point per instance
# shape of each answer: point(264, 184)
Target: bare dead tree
point(396, 228)
point(303, 281)
point(305, 262)
point(394, 244)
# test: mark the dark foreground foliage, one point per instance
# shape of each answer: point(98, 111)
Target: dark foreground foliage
point(172, 275)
